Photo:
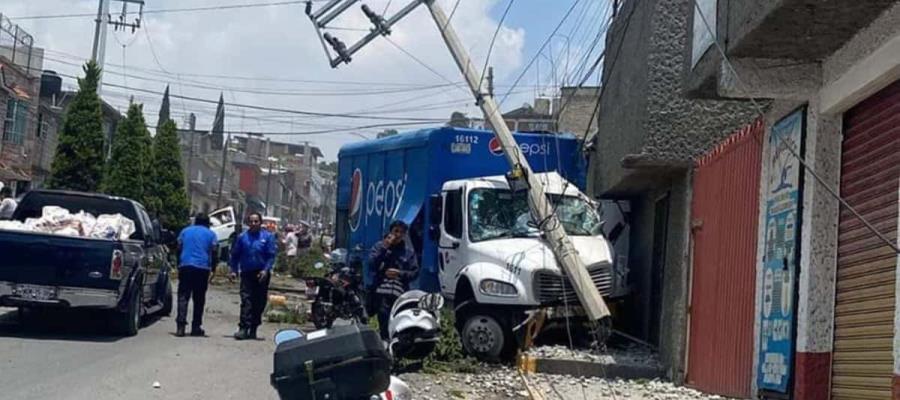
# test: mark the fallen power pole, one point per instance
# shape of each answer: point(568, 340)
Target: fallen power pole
point(520, 171)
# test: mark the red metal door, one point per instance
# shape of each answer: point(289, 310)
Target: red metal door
point(725, 210)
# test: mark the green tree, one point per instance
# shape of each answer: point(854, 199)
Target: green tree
point(330, 166)
point(128, 169)
point(78, 164)
point(169, 198)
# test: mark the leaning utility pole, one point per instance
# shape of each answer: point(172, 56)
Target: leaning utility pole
point(520, 174)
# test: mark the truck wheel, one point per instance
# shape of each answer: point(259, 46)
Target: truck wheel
point(483, 336)
point(127, 323)
point(167, 300)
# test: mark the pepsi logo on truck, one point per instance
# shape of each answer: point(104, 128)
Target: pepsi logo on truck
point(381, 198)
point(527, 149)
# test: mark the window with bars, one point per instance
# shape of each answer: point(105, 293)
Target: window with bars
point(14, 124)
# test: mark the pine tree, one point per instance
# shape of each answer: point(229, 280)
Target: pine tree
point(78, 164)
point(128, 170)
point(169, 199)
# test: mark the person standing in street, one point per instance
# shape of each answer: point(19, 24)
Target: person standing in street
point(395, 266)
point(196, 261)
point(7, 203)
point(252, 257)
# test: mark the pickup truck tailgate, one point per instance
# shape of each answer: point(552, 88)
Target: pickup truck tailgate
point(54, 260)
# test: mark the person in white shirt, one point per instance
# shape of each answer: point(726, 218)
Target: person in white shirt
point(7, 203)
point(290, 242)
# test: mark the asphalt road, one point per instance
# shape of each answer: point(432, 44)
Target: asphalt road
point(65, 356)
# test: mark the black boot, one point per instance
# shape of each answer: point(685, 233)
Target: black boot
point(197, 331)
point(179, 331)
point(242, 334)
point(251, 334)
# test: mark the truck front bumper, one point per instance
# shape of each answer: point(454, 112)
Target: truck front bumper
point(62, 296)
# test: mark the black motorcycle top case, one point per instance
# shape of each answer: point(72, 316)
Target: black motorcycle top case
point(345, 362)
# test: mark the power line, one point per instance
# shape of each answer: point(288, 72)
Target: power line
point(788, 146)
point(275, 109)
point(173, 10)
point(487, 59)
point(541, 49)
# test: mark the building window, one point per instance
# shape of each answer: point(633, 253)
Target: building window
point(43, 126)
point(14, 125)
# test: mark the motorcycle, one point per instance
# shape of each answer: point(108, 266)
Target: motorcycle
point(397, 389)
point(414, 327)
point(338, 295)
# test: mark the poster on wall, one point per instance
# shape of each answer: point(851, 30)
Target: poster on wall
point(783, 197)
point(702, 37)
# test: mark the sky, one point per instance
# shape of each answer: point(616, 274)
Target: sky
point(270, 57)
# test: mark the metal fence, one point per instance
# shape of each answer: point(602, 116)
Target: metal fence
point(15, 44)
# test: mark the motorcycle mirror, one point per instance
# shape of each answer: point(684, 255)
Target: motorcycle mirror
point(319, 265)
point(287, 334)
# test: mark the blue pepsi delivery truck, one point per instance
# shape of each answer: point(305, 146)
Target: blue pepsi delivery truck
point(474, 236)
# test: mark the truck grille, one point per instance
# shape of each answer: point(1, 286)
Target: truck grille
point(552, 288)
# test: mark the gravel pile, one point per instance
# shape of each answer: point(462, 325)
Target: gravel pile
point(504, 383)
point(632, 355)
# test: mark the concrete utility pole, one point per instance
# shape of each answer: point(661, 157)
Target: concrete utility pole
point(552, 228)
point(192, 124)
point(269, 176)
point(98, 50)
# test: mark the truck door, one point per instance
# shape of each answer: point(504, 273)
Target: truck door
point(450, 247)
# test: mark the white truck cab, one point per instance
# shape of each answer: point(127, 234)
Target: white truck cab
point(495, 266)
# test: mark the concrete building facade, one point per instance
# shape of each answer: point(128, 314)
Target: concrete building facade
point(648, 136)
point(838, 62)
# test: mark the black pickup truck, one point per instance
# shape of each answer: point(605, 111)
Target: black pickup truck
point(130, 278)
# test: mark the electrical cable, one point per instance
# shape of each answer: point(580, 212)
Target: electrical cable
point(173, 10)
point(487, 59)
point(541, 49)
point(275, 109)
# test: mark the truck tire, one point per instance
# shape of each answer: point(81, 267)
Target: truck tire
point(128, 322)
point(484, 335)
point(167, 300)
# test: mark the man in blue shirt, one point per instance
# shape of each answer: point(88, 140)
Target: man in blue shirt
point(196, 260)
point(252, 257)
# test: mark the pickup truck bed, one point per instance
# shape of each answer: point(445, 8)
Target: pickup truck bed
point(78, 267)
point(130, 278)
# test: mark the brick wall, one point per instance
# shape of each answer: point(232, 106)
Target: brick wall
point(14, 156)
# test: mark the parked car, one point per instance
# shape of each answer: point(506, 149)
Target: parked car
point(129, 278)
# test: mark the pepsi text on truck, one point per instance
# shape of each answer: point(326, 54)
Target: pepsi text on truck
point(475, 238)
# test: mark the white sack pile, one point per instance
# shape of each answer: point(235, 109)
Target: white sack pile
point(59, 221)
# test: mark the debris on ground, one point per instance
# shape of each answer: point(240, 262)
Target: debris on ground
point(504, 383)
point(629, 355)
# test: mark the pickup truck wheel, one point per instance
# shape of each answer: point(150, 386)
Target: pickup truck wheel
point(127, 323)
point(167, 300)
point(483, 336)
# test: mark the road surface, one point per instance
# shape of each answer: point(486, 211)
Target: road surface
point(72, 358)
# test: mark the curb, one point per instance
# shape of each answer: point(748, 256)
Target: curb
point(530, 364)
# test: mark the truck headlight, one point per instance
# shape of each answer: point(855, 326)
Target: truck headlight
point(491, 287)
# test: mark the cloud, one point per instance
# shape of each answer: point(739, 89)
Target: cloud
point(276, 42)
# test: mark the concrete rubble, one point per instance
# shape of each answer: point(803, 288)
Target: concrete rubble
point(501, 383)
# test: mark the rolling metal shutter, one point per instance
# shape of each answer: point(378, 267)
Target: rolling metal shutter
point(864, 308)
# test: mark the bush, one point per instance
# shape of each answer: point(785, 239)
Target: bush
point(303, 265)
point(448, 355)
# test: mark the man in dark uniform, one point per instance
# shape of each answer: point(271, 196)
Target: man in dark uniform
point(395, 266)
point(252, 257)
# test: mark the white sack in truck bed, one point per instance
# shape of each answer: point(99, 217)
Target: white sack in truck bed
point(59, 221)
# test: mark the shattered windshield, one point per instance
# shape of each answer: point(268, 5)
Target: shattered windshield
point(498, 213)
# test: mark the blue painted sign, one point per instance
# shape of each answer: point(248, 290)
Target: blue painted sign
point(782, 254)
